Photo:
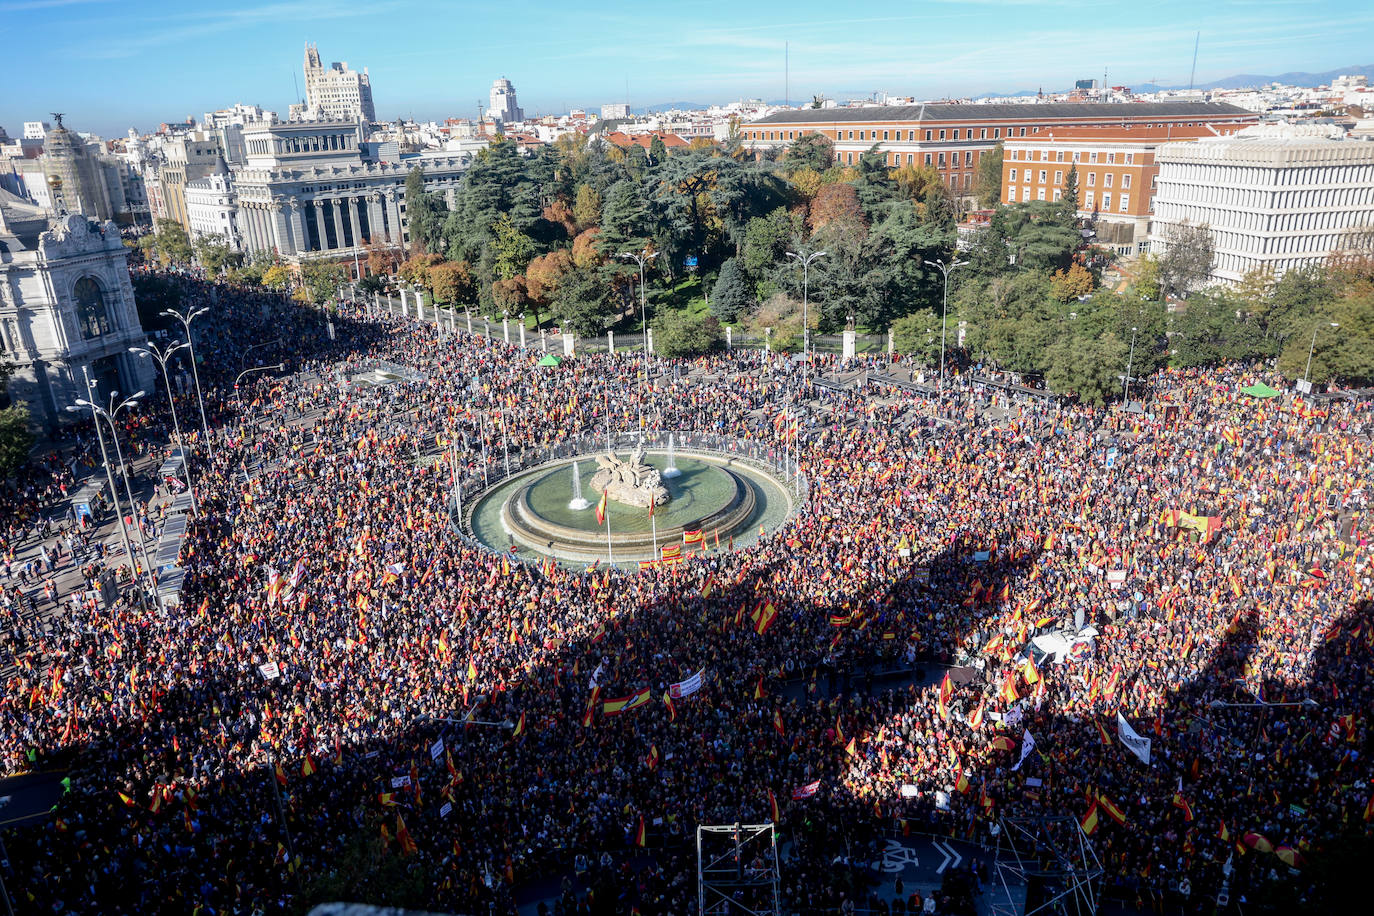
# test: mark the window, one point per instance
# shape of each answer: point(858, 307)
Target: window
point(1023, 131)
point(1088, 200)
point(927, 136)
point(1058, 193)
point(861, 135)
point(911, 135)
point(1040, 193)
point(1025, 192)
point(1059, 157)
point(1106, 201)
point(1125, 202)
point(1012, 177)
point(1130, 157)
point(956, 134)
point(1042, 176)
point(1125, 181)
point(996, 133)
point(884, 135)
point(942, 160)
point(1092, 157)
point(1107, 180)
point(91, 314)
point(968, 157)
point(1011, 195)
point(927, 158)
point(1075, 157)
point(983, 134)
point(1092, 179)
point(942, 135)
point(1111, 158)
point(1058, 177)
point(851, 135)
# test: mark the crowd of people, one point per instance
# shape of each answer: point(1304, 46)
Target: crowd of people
point(1199, 559)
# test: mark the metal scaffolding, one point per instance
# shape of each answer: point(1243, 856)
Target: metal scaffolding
point(1054, 861)
point(737, 870)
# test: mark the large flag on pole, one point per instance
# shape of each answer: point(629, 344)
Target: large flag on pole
point(1134, 742)
point(601, 509)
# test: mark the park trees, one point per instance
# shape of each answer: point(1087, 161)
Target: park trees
point(731, 296)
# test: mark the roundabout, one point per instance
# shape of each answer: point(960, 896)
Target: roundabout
point(705, 500)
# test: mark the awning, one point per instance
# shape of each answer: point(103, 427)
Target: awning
point(550, 360)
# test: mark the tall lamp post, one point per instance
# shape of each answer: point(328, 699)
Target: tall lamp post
point(1307, 373)
point(1130, 360)
point(805, 262)
point(110, 415)
point(939, 264)
point(642, 258)
point(82, 403)
point(186, 320)
point(151, 350)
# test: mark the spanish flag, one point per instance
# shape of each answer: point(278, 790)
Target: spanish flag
point(128, 802)
point(1089, 821)
point(1181, 804)
point(519, 728)
point(758, 689)
point(625, 704)
point(601, 509)
point(652, 760)
point(1112, 810)
point(773, 806)
point(639, 833)
point(852, 748)
point(472, 670)
point(308, 767)
point(672, 709)
point(975, 721)
point(777, 724)
point(403, 837)
point(946, 693)
point(281, 775)
point(767, 615)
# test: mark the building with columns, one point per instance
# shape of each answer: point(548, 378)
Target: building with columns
point(1275, 197)
point(310, 189)
point(66, 310)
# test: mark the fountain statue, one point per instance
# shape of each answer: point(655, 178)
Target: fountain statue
point(578, 503)
point(671, 470)
point(631, 482)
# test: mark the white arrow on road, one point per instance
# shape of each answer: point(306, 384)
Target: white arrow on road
point(952, 857)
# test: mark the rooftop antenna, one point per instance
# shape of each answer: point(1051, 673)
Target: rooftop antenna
point(295, 87)
point(1192, 73)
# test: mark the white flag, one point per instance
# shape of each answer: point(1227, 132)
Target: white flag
point(1134, 743)
point(1027, 745)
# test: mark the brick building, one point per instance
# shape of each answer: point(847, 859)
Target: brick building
point(953, 138)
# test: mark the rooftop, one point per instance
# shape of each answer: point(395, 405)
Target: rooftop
point(1065, 111)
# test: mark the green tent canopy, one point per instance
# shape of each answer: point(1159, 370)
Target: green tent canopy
point(550, 360)
point(1260, 390)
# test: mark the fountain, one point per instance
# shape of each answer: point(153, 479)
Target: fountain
point(671, 469)
point(578, 503)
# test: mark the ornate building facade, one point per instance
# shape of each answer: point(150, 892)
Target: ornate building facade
point(336, 92)
point(66, 305)
point(308, 190)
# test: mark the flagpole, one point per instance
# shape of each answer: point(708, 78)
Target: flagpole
point(610, 560)
point(653, 525)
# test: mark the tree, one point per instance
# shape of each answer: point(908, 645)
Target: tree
point(766, 240)
point(512, 249)
point(511, 296)
point(321, 280)
point(1037, 235)
point(987, 180)
point(677, 333)
point(586, 207)
point(424, 212)
point(810, 151)
point(837, 205)
point(214, 254)
point(415, 270)
point(172, 243)
point(624, 218)
point(918, 334)
point(730, 296)
point(1187, 261)
point(586, 249)
point(1067, 285)
point(451, 282)
point(1091, 370)
point(1208, 331)
point(542, 278)
point(15, 439)
point(583, 304)
point(276, 277)
point(560, 216)
point(1069, 201)
point(657, 151)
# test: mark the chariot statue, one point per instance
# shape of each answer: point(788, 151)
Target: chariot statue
point(631, 482)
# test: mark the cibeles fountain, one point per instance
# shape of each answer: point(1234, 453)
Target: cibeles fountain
point(724, 490)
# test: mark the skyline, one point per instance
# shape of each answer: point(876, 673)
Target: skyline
point(173, 60)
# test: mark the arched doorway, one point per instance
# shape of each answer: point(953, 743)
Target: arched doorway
point(92, 317)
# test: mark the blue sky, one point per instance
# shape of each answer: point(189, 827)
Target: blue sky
point(112, 64)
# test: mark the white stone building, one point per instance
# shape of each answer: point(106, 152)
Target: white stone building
point(336, 93)
point(504, 107)
point(66, 304)
point(1275, 197)
point(309, 189)
point(212, 206)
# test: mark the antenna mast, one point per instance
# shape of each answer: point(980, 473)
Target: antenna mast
point(786, 76)
point(1193, 72)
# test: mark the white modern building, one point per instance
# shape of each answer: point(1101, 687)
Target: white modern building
point(66, 305)
point(504, 107)
point(1275, 197)
point(314, 189)
point(336, 93)
point(211, 206)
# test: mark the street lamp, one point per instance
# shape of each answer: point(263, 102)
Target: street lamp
point(1307, 373)
point(1126, 390)
point(82, 403)
point(805, 262)
point(109, 416)
point(238, 397)
point(186, 320)
point(161, 356)
point(939, 264)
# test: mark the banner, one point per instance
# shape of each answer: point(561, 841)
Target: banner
point(1134, 743)
point(688, 687)
point(1027, 745)
point(806, 791)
